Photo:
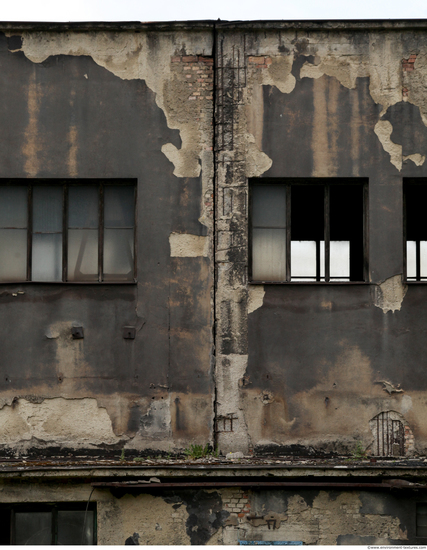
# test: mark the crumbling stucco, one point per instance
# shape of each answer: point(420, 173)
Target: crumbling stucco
point(227, 515)
point(151, 517)
point(383, 130)
point(255, 297)
point(184, 245)
point(72, 423)
point(389, 294)
point(417, 159)
point(155, 425)
point(321, 520)
point(230, 370)
point(381, 61)
point(131, 56)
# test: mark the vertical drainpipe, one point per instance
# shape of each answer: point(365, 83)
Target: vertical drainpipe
point(214, 205)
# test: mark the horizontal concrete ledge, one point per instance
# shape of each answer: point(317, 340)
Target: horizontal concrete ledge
point(94, 472)
point(392, 484)
point(220, 25)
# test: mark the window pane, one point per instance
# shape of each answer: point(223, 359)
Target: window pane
point(47, 257)
point(421, 520)
point(303, 259)
point(307, 212)
point(346, 225)
point(82, 255)
point(33, 528)
point(269, 255)
point(339, 252)
point(118, 254)
point(119, 208)
point(47, 209)
point(13, 206)
point(423, 259)
point(269, 206)
point(13, 254)
point(83, 206)
point(75, 528)
point(411, 262)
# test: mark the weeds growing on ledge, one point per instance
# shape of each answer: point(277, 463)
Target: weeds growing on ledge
point(359, 452)
point(200, 451)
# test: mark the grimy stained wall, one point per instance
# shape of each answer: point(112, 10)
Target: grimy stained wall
point(225, 516)
point(112, 103)
point(306, 368)
point(294, 367)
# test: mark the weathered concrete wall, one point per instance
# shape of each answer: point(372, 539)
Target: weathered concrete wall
point(225, 516)
point(297, 367)
point(113, 105)
point(301, 367)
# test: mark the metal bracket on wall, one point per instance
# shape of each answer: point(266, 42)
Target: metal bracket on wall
point(129, 333)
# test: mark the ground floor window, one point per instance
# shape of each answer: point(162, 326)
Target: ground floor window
point(35, 524)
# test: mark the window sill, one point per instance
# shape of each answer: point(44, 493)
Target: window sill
point(311, 283)
point(71, 283)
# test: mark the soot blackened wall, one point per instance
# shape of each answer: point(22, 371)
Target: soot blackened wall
point(82, 106)
point(313, 364)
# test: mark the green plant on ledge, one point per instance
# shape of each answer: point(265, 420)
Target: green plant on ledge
point(359, 452)
point(199, 451)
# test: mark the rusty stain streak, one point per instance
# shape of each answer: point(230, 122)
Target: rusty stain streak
point(33, 146)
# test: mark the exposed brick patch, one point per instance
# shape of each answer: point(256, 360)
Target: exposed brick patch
point(408, 64)
point(259, 62)
point(405, 92)
point(238, 503)
point(190, 58)
point(197, 71)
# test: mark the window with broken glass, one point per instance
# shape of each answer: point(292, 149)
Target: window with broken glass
point(415, 230)
point(62, 231)
point(35, 524)
point(308, 230)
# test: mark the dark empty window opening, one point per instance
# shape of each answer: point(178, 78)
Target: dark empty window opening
point(308, 230)
point(67, 231)
point(415, 230)
point(48, 524)
point(421, 519)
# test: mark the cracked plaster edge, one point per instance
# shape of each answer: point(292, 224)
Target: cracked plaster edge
point(384, 88)
point(134, 61)
point(279, 73)
point(185, 245)
point(255, 297)
point(390, 293)
point(39, 400)
point(383, 130)
point(416, 158)
point(73, 440)
point(280, 76)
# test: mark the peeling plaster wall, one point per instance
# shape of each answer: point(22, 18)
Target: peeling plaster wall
point(227, 516)
point(107, 104)
point(288, 361)
point(55, 421)
point(313, 103)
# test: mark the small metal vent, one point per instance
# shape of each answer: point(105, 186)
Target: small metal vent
point(390, 436)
